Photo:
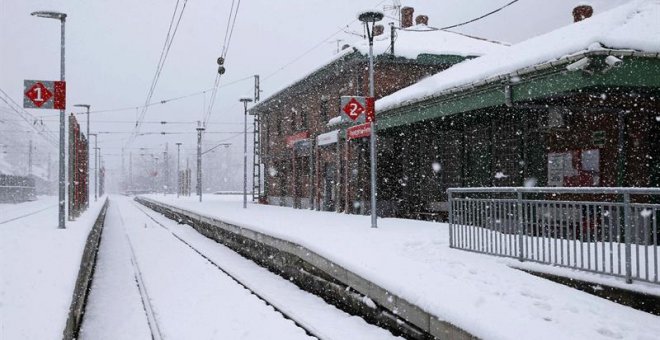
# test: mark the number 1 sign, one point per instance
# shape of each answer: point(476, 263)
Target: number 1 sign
point(44, 94)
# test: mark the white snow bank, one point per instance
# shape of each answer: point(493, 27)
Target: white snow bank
point(412, 259)
point(38, 268)
point(633, 26)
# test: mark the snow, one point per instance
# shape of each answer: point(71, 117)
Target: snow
point(420, 39)
point(38, 268)
point(632, 26)
point(412, 259)
point(190, 297)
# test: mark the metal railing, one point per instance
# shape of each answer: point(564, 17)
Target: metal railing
point(612, 231)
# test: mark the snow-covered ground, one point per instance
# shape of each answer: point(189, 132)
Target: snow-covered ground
point(38, 267)
point(479, 293)
point(190, 297)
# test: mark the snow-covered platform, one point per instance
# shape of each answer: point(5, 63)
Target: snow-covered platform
point(39, 266)
point(412, 261)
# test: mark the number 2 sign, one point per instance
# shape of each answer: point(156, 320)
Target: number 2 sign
point(44, 94)
point(353, 106)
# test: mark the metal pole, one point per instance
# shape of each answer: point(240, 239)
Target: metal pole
point(178, 171)
point(88, 156)
point(245, 101)
point(374, 223)
point(30, 159)
point(62, 175)
point(245, 156)
point(199, 160)
point(96, 167)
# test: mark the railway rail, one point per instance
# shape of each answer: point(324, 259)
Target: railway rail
point(309, 329)
point(28, 214)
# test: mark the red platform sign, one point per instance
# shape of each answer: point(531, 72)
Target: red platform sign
point(293, 139)
point(44, 94)
point(353, 106)
point(358, 131)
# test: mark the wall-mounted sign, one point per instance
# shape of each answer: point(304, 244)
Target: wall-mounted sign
point(291, 140)
point(358, 131)
point(327, 138)
point(44, 94)
point(598, 138)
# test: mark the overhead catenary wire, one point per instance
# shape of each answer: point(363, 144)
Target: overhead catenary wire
point(169, 39)
point(28, 118)
point(229, 31)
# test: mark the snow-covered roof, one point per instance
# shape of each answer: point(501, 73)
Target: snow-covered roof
point(420, 39)
point(632, 26)
point(409, 44)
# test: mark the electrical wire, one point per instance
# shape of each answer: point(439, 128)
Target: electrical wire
point(169, 39)
point(229, 32)
point(41, 129)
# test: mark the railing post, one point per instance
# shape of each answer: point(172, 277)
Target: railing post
point(628, 235)
point(451, 219)
point(520, 225)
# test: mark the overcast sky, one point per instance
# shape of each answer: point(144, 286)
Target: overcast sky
point(113, 46)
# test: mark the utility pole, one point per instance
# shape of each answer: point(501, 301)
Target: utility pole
point(130, 170)
point(178, 170)
point(200, 129)
point(123, 180)
point(166, 173)
point(30, 159)
point(257, 88)
point(96, 167)
point(245, 101)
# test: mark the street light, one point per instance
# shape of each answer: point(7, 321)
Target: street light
point(86, 106)
point(96, 166)
point(372, 17)
point(62, 180)
point(200, 130)
point(245, 101)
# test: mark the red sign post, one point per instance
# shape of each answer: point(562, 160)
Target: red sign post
point(44, 94)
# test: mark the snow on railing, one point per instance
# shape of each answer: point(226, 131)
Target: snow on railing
point(612, 231)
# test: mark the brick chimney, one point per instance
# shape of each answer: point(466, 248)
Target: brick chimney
point(378, 30)
point(422, 20)
point(407, 17)
point(582, 12)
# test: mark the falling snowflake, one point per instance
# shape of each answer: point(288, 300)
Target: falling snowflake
point(645, 213)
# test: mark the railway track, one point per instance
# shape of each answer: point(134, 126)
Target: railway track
point(28, 214)
point(308, 329)
point(142, 289)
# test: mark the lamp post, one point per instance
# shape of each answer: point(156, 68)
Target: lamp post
point(178, 171)
point(62, 180)
point(200, 129)
point(245, 101)
point(87, 106)
point(96, 167)
point(372, 17)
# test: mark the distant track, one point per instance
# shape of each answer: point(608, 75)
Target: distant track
point(26, 215)
point(308, 329)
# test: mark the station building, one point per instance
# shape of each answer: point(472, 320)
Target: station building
point(578, 106)
point(308, 161)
